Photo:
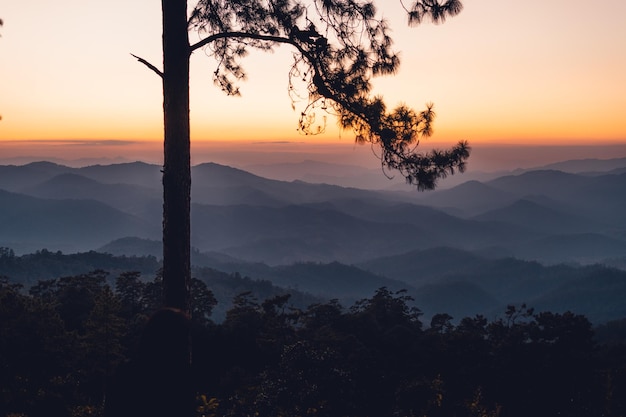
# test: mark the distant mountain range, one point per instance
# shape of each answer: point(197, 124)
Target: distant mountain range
point(474, 247)
point(545, 215)
point(589, 166)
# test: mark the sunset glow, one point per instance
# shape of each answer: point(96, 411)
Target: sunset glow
point(524, 73)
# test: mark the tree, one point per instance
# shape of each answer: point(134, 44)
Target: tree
point(202, 302)
point(104, 332)
point(129, 289)
point(37, 354)
point(339, 45)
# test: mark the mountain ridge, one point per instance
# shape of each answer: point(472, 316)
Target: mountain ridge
point(279, 222)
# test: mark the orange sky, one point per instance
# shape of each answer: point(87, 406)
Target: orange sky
point(532, 72)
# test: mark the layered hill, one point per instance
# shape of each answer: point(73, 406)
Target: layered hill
point(525, 237)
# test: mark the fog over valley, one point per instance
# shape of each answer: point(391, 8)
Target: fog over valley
point(548, 237)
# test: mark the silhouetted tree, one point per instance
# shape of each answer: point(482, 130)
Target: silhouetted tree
point(202, 302)
point(441, 323)
point(157, 381)
point(339, 45)
point(7, 258)
point(76, 297)
point(130, 289)
point(37, 355)
point(268, 359)
point(73, 297)
point(153, 294)
point(104, 332)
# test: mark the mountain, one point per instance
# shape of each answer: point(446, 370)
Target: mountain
point(331, 280)
point(297, 233)
point(601, 197)
point(555, 184)
point(604, 197)
point(463, 284)
point(586, 203)
point(542, 215)
point(222, 185)
point(423, 266)
point(598, 294)
point(307, 168)
point(133, 246)
point(317, 172)
point(20, 177)
point(482, 287)
point(226, 287)
point(442, 228)
point(31, 223)
point(43, 264)
point(134, 173)
point(469, 198)
point(134, 199)
point(588, 165)
point(584, 248)
point(531, 215)
point(506, 279)
point(472, 248)
point(16, 177)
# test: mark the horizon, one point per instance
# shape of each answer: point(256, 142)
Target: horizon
point(483, 158)
point(497, 73)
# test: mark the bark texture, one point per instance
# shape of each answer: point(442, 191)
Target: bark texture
point(176, 168)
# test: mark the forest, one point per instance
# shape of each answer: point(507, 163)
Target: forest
point(81, 344)
point(64, 339)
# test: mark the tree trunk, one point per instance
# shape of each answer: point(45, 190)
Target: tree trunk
point(176, 168)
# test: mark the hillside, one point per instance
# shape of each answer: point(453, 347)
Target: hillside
point(473, 248)
point(265, 220)
point(29, 223)
point(452, 282)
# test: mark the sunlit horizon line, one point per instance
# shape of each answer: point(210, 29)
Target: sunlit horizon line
point(515, 142)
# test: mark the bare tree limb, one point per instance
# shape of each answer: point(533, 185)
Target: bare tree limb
point(149, 65)
point(258, 36)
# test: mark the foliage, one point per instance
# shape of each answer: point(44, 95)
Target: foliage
point(104, 333)
point(268, 358)
point(44, 264)
point(339, 46)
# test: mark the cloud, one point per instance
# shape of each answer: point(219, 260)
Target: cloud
point(278, 142)
point(75, 142)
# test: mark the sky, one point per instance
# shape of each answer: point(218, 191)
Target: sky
point(501, 74)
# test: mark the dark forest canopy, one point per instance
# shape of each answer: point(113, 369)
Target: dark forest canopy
point(64, 340)
point(440, 280)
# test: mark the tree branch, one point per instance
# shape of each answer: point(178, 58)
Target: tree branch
point(258, 36)
point(149, 65)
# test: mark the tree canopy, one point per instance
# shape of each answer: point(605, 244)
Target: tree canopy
point(268, 357)
point(339, 46)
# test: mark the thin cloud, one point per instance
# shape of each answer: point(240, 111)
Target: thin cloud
point(277, 142)
point(76, 142)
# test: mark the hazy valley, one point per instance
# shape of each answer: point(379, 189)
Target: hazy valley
point(554, 238)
